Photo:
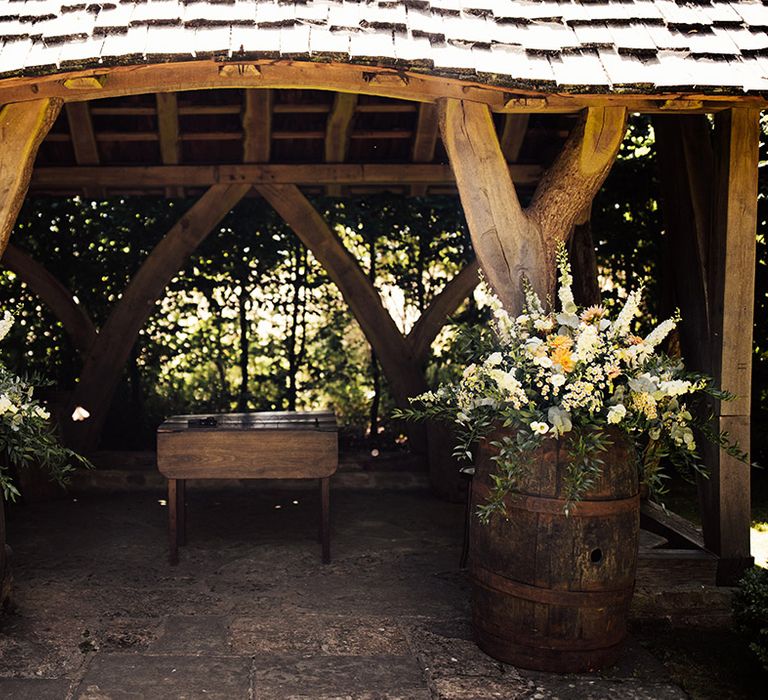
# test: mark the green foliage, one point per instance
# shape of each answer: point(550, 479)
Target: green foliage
point(750, 611)
point(252, 322)
point(27, 436)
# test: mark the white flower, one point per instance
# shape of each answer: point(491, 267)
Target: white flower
point(493, 359)
point(628, 312)
point(660, 332)
point(568, 319)
point(6, 405)
point(675, 387)
point(560, 420)
point(80, 414)
point(616, 413)
point(644, 384)
point(5, 324)
point(40, 412)
point(544, 324)
point(557, 379)
point(587, 344)
point(539, 427)
point(543, 361)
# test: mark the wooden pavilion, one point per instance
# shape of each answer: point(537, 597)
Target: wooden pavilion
point(519, 105)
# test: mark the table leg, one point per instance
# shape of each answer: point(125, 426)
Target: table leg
point(173, 539)
point(181, 494)
point(325, 523)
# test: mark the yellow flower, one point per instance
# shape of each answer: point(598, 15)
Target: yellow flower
point(562, 356)
point(593, 313)
point(560, 341)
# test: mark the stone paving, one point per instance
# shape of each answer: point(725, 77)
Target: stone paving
point(251, 613)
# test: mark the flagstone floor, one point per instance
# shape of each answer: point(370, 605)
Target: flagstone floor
point(250, 612)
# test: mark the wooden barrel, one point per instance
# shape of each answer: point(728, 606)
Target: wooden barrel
point(552, 592)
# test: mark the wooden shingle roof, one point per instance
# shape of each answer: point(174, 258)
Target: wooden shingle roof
point(710, 46)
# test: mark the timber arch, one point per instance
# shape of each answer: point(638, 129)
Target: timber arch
point(488, 70)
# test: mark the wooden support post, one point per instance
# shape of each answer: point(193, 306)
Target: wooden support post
point(181, 509)
point(325, 518)
point(168, 134)
point(257, 126)
point(512, 242)
point(76, 321)
point(23, 126)
point(83, 140)
point(338, 131)
point(424, 141)
point(709, 182)
point(104, 364)
point(173, 533)
point(726, 494)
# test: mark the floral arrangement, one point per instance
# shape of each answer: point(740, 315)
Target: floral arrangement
point(571, 375)
point(26, 433)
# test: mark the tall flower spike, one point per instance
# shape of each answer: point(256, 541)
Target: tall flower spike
point(533, 304)
point(565, 293)
point(623, 321)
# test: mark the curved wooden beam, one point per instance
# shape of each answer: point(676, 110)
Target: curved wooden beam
point(507, 243)
point(445, 303)
point(114, 81)
point(23, 127)
point(391, 348)
point(512, 242)
point(104, 364)
point(74, 318)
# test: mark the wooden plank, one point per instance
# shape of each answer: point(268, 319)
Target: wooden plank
point(266, 454)
point(168, 134)
point(676, 567)
point(145, 177)
point(680, 532)
point(424, 141)
point(23, 127)
point(513, 135)
point(257, 126)
point(338, 130)
point(60, 300)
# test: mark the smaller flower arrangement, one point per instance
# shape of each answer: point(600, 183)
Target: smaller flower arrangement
point(570, 375)
point(26, 433)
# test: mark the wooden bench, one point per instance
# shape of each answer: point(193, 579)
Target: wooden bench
point(270, 445)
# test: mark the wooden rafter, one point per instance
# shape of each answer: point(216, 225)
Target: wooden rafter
point(424, 141)
point(513, 135)
point(143, 177)
point(104, 364)
point(168, 134)
point(257, 126)
point(338, 131)
point(23, 127)
point(83, 139)
point(73, 317)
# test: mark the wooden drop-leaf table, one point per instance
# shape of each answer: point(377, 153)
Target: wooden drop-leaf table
point(268, 445)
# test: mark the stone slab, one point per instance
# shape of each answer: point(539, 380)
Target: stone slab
point(580, 688)
point(294, 676)
point(34, 688)
point(197, 635)
point(293, 631)
point(134, 676)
